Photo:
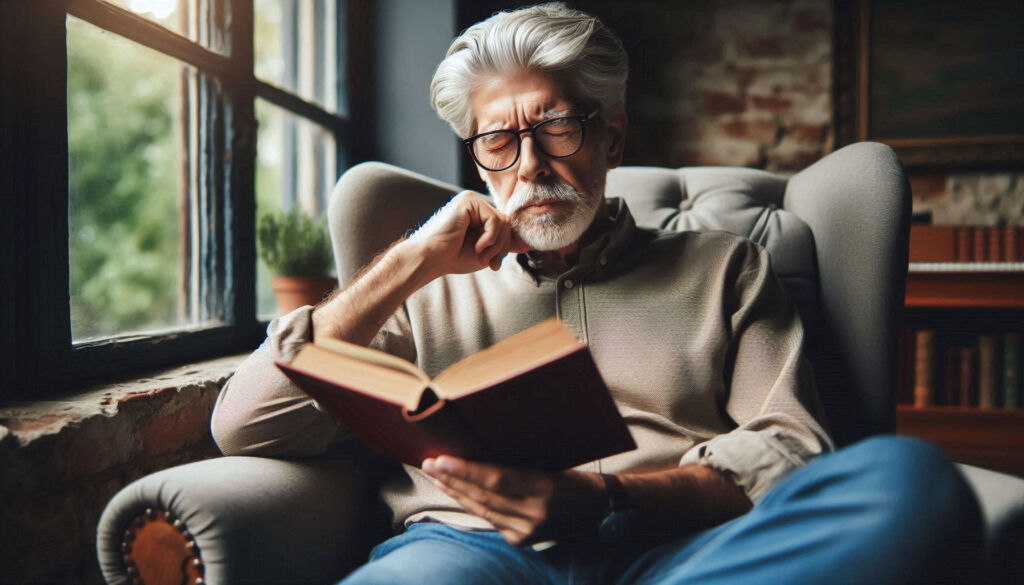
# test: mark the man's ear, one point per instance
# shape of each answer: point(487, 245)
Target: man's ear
point(615, 136)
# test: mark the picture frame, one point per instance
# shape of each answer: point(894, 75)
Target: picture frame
point(942, 81)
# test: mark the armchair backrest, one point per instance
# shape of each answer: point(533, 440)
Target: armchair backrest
point(836, 233)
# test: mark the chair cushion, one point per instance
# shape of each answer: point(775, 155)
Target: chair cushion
point(746, 202)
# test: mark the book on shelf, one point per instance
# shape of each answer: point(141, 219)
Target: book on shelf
point(931, 243)
point(987, 397)
point(535, 399)
point(1013, 390)
point(968, 376)
point(940, 369)
point(924, 367)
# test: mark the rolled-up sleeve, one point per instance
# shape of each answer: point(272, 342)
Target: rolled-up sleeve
point(770, 390)
point(261, 412)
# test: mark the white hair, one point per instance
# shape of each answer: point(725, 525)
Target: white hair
point(547, 38)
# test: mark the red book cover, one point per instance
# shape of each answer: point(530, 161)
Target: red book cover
point(995, 244)
point(1012, 244)
point(535, 399)
point(979, 247)
point(932, 243)
point(964, 244)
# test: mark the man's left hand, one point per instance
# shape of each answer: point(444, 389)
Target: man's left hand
point(524, 505)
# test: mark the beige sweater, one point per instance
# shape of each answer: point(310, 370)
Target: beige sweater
point(692, 332)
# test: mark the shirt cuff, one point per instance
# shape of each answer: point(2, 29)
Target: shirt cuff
point(288, 333)
point(756, 460)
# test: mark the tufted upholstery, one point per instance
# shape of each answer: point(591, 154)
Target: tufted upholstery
point(836, 233)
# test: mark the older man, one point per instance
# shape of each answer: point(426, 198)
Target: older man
point(697, 341)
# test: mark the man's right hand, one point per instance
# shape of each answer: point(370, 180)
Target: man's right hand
point(465, 235)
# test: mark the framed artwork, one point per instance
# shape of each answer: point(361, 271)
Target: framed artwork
point(941, 81)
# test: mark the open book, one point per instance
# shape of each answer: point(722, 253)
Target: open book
point(535, 399)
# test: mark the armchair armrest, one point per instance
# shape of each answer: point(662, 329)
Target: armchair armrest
point(1001, 498)
point(250, 519)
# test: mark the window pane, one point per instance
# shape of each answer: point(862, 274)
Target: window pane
point(296, 47)
point(296, 166)
point(128, 243)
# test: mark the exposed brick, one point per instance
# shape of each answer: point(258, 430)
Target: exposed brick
point(928, 186)
point(774, 104)
point(173, 430)
point(812, 18)
point(715, 102)
point(808, 132)
point(773, 46)
point(763, 131)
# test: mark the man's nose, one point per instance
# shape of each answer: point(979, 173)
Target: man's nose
point(532, 162)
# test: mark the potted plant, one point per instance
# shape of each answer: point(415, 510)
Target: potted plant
point(297, 249)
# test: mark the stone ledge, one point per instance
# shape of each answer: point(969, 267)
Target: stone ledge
point(64, 458)
point(25, 422)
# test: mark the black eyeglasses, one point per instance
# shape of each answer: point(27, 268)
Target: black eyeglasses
point(557, 138)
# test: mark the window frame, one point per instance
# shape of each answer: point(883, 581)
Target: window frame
point(37, 355)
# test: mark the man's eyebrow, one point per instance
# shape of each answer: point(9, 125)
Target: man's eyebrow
point(555, 114)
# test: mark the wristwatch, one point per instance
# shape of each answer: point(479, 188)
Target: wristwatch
point(617, 523)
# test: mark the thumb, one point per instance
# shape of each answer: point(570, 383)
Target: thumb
point(518, 245)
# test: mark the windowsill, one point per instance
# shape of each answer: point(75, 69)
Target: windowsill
point(27, 421)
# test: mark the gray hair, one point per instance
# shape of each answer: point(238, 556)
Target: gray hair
point(547, 38)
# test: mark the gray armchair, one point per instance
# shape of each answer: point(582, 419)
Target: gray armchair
point(837, 235)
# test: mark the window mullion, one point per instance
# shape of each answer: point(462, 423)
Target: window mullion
point(240, 173)
point(34, 303)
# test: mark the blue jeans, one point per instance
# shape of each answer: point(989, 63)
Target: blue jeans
point(886, 510)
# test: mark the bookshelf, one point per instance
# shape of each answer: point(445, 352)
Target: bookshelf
point(961, 301)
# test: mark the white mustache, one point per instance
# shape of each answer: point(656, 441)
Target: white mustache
point(529, 193)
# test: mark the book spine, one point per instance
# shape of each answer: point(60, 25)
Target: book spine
point(968, 376)
point(1012, 371)
point(1012, 244)
point(932, 243)
point(987, 371)
point(924, 368)
point(979, 248)
point(905, 392)
point(964, 241)
point(951, 376)
point(995, 244)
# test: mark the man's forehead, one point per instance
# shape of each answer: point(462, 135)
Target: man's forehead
point(504, 100)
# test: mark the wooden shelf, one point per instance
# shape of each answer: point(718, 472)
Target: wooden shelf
point(965, 289)
point(993, 439)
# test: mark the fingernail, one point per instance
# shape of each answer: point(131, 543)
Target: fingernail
point(428, 465)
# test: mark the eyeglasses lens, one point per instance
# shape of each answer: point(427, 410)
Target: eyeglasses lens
point(556, 138)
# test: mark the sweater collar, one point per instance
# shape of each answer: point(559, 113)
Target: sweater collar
point(595, 257)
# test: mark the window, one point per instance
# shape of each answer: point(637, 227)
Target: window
point(141, 140)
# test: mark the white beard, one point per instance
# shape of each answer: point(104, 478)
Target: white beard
point(545, 232)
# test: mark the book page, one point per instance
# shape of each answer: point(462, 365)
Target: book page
point(520, 353)
point(353, 373)
point(374, 356)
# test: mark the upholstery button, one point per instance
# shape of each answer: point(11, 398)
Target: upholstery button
point(567, 283)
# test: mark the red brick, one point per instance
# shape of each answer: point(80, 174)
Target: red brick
point(809, 19)
point(815, 133)
point(717, 102)
point(755, 130)
point(763, 47)
point(774, 104)
point(928, 186)
point(164, 432)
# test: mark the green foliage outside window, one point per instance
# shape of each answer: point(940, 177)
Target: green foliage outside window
point(123, 181)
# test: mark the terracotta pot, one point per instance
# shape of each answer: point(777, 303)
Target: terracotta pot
point(293, 292)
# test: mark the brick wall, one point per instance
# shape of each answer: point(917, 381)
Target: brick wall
point(749, 83)
point(62, 461)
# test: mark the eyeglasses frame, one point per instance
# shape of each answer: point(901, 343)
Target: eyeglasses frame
point(582, 118)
